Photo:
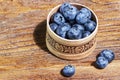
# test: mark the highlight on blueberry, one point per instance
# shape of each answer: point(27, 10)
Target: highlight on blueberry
point(68, 71)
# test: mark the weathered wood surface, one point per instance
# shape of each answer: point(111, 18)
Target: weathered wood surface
point(23, 53)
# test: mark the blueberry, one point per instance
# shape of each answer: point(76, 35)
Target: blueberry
point(58, 18)
point(78, 26)
point(101, 62)
point(86, 33)
point(90, 26)
point(66, 26)
point(108, 54)
point(82, 18)
point(60, 33)
point(74, 33)
point(63, 6)
point(53, 26)
point(62, 29)
point(68, 71)
point(70, 12)
point(86, 11)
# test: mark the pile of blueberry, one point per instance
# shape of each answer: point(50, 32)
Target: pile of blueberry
point(70, 23)
point(105, 57)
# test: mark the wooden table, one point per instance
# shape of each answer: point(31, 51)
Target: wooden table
point(23, 52)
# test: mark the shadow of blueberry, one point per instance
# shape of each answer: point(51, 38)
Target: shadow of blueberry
point(61, 72)
point(94, 64)
point(39, 35)
point(68, 71)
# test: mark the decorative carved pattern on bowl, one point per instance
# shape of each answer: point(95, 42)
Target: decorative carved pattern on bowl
point(70, 49)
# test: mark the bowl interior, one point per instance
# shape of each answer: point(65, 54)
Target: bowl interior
point(79, 6)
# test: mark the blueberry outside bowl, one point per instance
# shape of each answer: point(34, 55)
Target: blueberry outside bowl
point(70, 49)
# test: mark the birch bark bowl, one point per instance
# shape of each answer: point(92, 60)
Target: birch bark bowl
point(70, 49)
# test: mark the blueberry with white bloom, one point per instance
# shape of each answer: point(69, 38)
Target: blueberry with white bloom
point(53, 26)
point(108, 54)
point(68, 71)
point(90, 26)
point(58, 18)
point(101, 62)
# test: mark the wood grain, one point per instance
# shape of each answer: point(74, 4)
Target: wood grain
point(23, 52)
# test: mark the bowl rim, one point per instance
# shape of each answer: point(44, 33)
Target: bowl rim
point(75, 40)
